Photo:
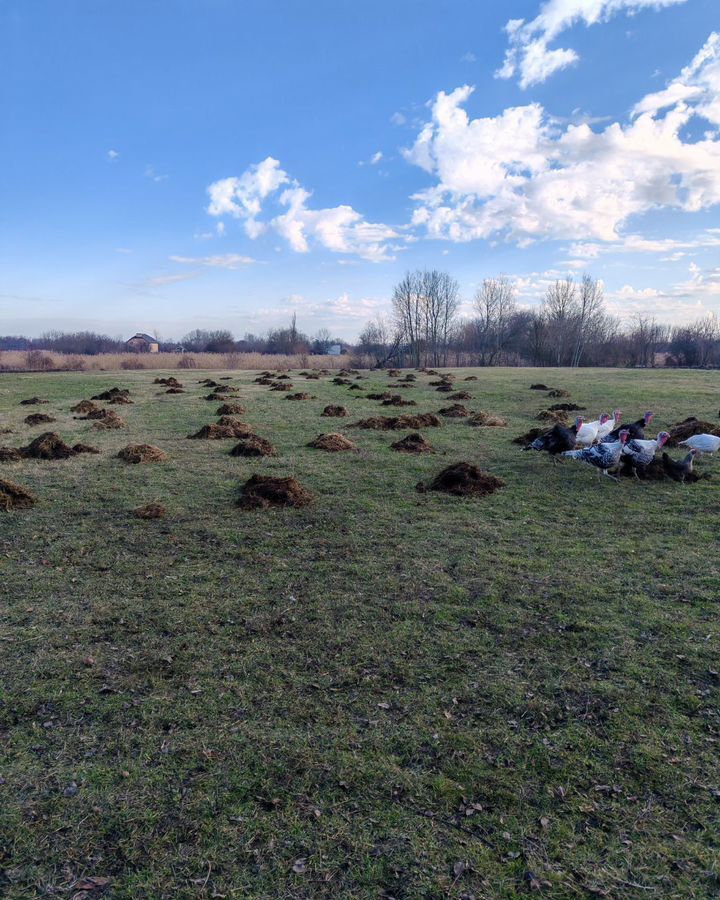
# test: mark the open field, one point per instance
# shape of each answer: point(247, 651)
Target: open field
point(383, 694)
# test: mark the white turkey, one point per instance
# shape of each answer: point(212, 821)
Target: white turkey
point(610, 425)
point(704, 443)
point(587, 433)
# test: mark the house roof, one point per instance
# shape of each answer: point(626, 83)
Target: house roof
point(145, 337)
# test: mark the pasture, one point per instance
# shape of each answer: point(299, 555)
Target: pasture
point(384, 693)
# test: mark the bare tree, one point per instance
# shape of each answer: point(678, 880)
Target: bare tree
point(587, 315)
point(496, 307)
point(425, 305)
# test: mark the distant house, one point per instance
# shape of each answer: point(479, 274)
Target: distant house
point(142, 343)
point(335, 350)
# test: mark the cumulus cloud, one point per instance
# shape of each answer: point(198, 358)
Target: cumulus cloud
point(225, 261)
point(523, 176)
point(340, 229)
point(112, 154)
point(529, 54)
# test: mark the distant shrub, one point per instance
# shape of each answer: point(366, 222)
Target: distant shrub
point(186, 362)
point(75, 363)
point(38, 361)
point(133, 362)
point(232, 360)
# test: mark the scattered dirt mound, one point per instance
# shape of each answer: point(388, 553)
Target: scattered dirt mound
point(299, 396)
point(456, 411)
point(10, 454)
point(215, 432)
point(358, 387)
point(529, 436)
point(252, 445)
point(413, 443)
point(337, 412)
point(230, 409)
point(85, 407)
point(471, 378)
point(410, 377)
point(681, 431)
point(282, 386)
point(313, 376)
point(120, 400)
point(142, 453)
point(539, 387)
point(460, 395)
point(216, 397)
point(169, 382)
point(463, 480)
point(150, 511)
point(13, 496)
point(566, 407)
point(109, 420)
point(233, 423)
point(393, 373)
point(38, 419)
point(384, 396)
point(226, 389)
point(397, 400)
point(262, 491)
point(264, 379)
point(283, 378)
point(33, 401)
point(332, 442)
point(341, 381)
point(444, 388)
point(559, 392)
point(84, 448)
point(112, 393)
point(47, 446)
point(552, 416)
point(486, 419)
point(392, 423)
point(174, 390)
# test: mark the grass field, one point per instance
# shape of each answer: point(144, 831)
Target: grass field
point(383, 694)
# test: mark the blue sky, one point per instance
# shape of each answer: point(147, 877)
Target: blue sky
point(220, 163)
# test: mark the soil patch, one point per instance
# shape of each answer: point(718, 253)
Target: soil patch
point(566, 407)
point(397, 400)
point(108, 420)
point(552, 415)
point(392, 423)
point(471, 378)
point(230, 409)
point(300, 396)
point(113, 392)
point(215, 432)
point(539, 387)
point(174, 390)
point(233, 422)
point(681, 431)
point(529, 436)
point(463, 480)
point(33, 401)
point(150, 511)
point(456, 411)
point(252, 445)
point(460, 395)
point(85, 407)
point(263, 491)
point(486, 419)
point(559, 392)
point(337, 412)
point(332, 442)
point(282, 386)
point(84, 448)
point(38, 419)
point(170, 382)
point(413, 443)
point(142, 453)
point(14, 496)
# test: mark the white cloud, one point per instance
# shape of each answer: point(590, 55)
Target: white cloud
point(398, 118)
point(529, 54)
point(153, 175)
point(468, 57)
point(340, 229)
point(523, 176)
point(226, 261)
point(160, 280)
point(112, 154)
point(683, 301)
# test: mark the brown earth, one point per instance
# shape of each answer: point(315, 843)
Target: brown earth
point(460, 395)
point(529, 436)
point(263, 491)
point(397, 400)
point(566, 407)
point(14, 496)
point(456, 411)
point(463, 479)
point(113, 392)
point(150, 511)
point(215, 432)
point(142, 453)
point(85, 407)
point(552, 415)
point(252, 445)
point(539, 387)
point(300, 396)
point(230, 409)
point(332, 442)
point(33, 401)
point(413, 443)
point(109, 420)
point(338, 412)
point(392, 423)
point(486, 419)
point(38, 419)
point(559, 392)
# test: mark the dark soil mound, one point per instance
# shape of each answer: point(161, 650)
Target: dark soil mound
point(463, 480)
point(13, 496)
point(444, 388)
point(332, 442)
point(33, 401)
point(471, 378)
point(566, 407)
point(312, 377)
point(150, 511)
point(341, 381)
point(299, 396)
point(383, 396)
point(262, 491)
point(38, 419)
point(230, 409)
point(356, 387)
point(410, 377)
point(559, 392)
point(240, 427)
point(413, 443)
point(169, 382)
point(47, 446)
point(174, 390)
point(392, 423)
point(264, 379)
point(552, 416)
point(112, 393)
point(456, 411)
point(84, 448)
point(397, 400)
point(208, 382)
point(282, 386)
point(85, 407)
point(539, 387)
point(252, 445)
point(529, 436)
point(460, 395)
point(142, 453)
point(283, 378)
point(10, 454)
point(393, 373)
point(337, 412)
point(681, 431)
point(215, 432)
point(487, 420)
point(120, 400)
point(108, 420)
point(226, 389)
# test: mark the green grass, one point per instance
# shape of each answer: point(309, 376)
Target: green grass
point(415, 695)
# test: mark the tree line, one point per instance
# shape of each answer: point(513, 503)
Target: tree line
point(571, 327)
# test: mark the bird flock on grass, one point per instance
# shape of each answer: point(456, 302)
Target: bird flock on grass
point(605, 444)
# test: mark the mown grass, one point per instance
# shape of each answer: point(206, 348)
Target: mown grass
point(385, 694)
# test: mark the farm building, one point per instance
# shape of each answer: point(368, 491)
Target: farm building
point(142, 343)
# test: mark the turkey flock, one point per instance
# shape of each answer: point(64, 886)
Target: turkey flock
point(607, 445)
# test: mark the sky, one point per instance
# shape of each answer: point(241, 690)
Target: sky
point(168, 165)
